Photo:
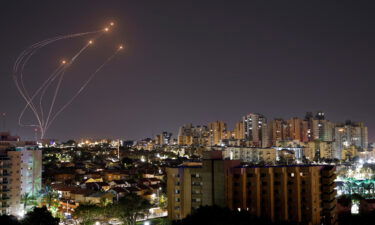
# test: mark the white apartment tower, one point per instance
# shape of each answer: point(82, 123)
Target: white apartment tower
point(20, 173)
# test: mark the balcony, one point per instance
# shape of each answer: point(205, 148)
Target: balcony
point(4, 205)
point(196, 179)
point(4, 198)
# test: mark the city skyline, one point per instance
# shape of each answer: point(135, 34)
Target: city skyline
point(201, 62)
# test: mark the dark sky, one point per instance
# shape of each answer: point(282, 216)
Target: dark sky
point(195, 61)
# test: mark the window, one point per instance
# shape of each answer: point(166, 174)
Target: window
point(196, 200)
point(196, 191)
point(195, 183)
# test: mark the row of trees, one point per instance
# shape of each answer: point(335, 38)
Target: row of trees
point(128, 209)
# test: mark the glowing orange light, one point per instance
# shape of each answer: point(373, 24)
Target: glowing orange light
point(63, 62)
point(120, 47)
point(106, 29)
point(112, 23)
point(91, 42)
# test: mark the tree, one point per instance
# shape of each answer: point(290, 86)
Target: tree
point(48, 196)
point(162, 201)
point(40, 216)
point(88, 213)
point(9, 220)
point(129, 208)
point(28, 200)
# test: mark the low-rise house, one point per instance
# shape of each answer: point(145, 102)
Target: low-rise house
point(118, 192)
point(149, 181)
point(79, 195)
point(97, 186)
point(92, 180)
point(100, 197)
point(64, 176)
point(119, 183)
point(134, 190)
point(110, 175)
point(64, 191)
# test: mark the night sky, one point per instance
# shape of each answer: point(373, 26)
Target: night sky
point(194, 62)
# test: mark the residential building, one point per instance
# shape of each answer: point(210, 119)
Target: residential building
point(164, 138)
point(255, 129)
point(350, 134)
point(297, 193)
point(20, 174)
point(217, 131)
point(239, 131)
point(316, 150)
point(277, 131)
point(253, 155)
point(321, 128)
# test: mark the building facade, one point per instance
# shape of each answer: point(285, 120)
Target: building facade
point(303, 194)
point(255, 129)
point(20, 174)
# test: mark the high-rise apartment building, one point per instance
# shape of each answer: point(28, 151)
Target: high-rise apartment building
point(195, 184)
point(193, 135)
point(164, 138)
point(296, 193)
point(239, 131)
point(277, 131)
point(350, 134)
point(255, 128)
point(20, 173)
point(295, 128)
point(321, 128)
point(218, 131)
